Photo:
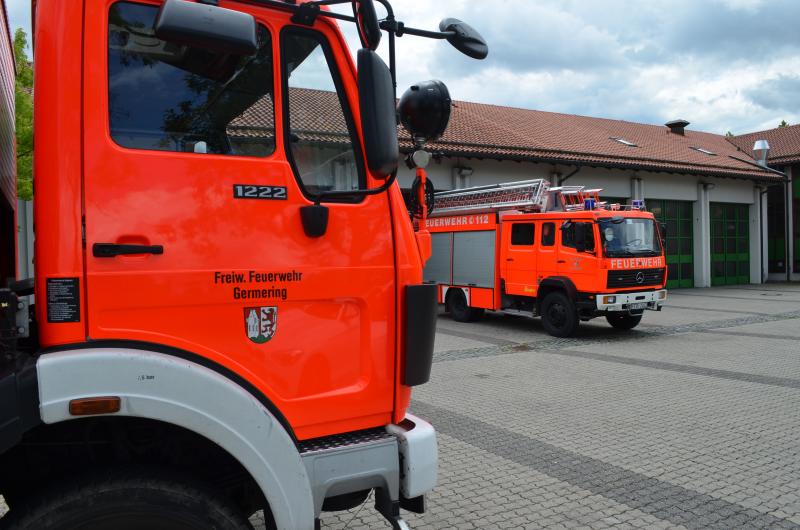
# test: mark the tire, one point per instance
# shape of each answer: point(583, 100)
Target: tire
point(559, 315)
point(623, 321)
point(457, 307)
point(118, 500)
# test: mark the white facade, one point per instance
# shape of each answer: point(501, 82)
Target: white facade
point(450, 173)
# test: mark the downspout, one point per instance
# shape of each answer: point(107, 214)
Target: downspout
point(764, 274)
point(563, 180)
point(787, 183)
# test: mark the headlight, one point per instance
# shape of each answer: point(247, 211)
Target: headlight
point(662, 295)
point(609, 299)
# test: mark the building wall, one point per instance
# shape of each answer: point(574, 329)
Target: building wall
point(8, 158)
point(626, 184)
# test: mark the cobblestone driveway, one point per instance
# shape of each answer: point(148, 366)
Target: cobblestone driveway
point(690, 421)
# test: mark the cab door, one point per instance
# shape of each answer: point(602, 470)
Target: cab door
point(580, 267)
point(518, 257)
point(196, 167)
point(548, 251)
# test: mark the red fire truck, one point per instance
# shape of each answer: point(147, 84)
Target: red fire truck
point(525, 248)
point(229, 307)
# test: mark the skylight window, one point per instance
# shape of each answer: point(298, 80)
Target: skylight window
point(704, 151)
point(623, 141)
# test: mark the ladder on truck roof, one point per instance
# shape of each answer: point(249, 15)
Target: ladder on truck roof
point(525, 195)
point(574, 198)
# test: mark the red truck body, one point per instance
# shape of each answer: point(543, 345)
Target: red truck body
point(504, 258)
point(228, 285)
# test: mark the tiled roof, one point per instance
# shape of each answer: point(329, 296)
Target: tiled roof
point(784, 144)
point(502, 132)
point(488, 131)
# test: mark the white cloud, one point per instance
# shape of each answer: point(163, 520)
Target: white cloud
point(721, 64)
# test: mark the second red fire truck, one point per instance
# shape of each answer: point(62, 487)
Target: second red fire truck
point(525, 248)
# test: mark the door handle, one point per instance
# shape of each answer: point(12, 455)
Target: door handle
point(509, 259)
point(110, 250)
point(561, 261)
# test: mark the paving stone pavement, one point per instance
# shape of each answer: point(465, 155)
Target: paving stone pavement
point(689, 421)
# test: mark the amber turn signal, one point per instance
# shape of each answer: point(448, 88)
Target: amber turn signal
point(94, 406)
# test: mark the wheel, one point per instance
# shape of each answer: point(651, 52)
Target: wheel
point(624, 321)
point(457, 307)
point(126, 501)
point(559, 316)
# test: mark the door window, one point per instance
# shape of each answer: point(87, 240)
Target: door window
point(548, 234)
point(522, 234)
point(320, 128)
point(568, 237)
point(167, 97)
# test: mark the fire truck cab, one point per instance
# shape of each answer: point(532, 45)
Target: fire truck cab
point(527, 249)
point(229, 309)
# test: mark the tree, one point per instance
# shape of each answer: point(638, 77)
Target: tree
point(24, 116)
point(729, 135)
point(783, 124)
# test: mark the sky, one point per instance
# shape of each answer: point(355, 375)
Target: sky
point(723, 65)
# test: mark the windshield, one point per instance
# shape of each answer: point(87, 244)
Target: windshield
point(629, 237)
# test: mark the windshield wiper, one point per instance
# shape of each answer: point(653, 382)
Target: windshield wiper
point(644, 252)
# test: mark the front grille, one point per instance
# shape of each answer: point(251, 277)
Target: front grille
point(635, 278)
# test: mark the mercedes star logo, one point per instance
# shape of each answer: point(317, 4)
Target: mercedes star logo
point(639, 277)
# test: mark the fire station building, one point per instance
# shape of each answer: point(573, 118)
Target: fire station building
point(783, 200)
point(711, 193)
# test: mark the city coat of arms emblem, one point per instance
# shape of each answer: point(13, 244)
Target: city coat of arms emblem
point(260, 323)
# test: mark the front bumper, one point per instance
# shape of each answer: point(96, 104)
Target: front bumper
point(419, 455)
point(653, 301)
point(398, 461)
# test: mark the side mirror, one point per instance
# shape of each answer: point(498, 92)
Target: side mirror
point(369, 30)
point(580, 236)
point(208, 27)
point(465, 38)
point(378, 115)
point(663, 227)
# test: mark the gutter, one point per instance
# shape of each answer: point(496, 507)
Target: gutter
point(766, 176)
point(765, 168)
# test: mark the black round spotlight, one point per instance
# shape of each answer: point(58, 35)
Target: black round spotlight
point(425, 110)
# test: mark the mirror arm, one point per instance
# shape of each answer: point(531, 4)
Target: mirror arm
point(389, 24)
point(328, 2)
point(441, 35)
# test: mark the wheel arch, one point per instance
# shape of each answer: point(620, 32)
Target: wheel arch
point(177, 391)
point(556, 283)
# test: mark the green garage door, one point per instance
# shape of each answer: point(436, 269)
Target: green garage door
point(730, 244)
point(680, 239)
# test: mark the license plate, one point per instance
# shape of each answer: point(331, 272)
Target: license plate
point(639, 305)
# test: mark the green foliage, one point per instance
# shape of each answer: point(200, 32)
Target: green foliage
point(24, 116)
point(783, 124)
point(729, 135)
